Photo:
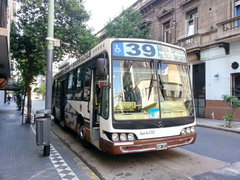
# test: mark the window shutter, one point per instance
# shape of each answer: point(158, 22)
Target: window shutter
point(238, 10)
point(195, 20)
point(186, 27)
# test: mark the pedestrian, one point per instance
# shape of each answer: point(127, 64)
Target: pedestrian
point(19, 101)
point(9, 99)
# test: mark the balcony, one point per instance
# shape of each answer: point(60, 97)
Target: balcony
point(229, 30)
point(191, 43)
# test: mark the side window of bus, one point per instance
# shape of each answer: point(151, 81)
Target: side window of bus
point(58, 92)
point(54, 88)
point(79, 83)
point(105, 100)
point(70, 85)
point(87, 81)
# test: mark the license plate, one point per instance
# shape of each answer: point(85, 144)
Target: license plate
point(161, 146)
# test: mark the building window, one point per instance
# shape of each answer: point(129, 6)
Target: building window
point(167, 32)
point(236, 85)
point(191, 23)
point(237, 12)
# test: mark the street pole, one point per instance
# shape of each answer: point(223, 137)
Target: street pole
point(49, 79)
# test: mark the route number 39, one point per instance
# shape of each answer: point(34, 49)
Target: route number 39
point(136, 50)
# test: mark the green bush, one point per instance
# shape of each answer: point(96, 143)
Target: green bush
point(235, 104)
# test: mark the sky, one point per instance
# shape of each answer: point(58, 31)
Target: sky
point(102, 11)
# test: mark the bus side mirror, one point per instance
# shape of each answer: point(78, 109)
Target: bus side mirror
point(101, 67)
point(102, 84)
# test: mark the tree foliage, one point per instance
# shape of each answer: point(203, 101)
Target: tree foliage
point(28, 35)
point(41, 89)
point(128, 25)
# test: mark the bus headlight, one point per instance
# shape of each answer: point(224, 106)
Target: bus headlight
point(193, 129)
point(123, 137)
point(188, 130)
point(183, 132)
point(115, 137)
point(131, 137)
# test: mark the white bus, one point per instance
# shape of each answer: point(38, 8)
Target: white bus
point(127, 96)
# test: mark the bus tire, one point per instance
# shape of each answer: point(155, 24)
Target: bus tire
point(64, 125)
point(54, 116)
point(82, 138)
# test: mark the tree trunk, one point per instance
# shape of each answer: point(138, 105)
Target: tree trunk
point(29, 105)
point(24, 98)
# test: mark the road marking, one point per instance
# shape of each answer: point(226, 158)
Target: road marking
point(232, 170)
point(64, 171)
point(61, 166)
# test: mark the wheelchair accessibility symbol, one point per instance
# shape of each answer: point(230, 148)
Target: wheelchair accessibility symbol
point(118, 49)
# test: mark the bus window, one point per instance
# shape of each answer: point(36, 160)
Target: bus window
point(87, 81)
point(102, 93)
point(175, 83)
point(70, 81)
point(79, 83)
point(57, 91)
point(70, 85)
point(104, 103)
point(54, 89)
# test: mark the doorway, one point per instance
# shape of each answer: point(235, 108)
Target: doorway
point(199, 89)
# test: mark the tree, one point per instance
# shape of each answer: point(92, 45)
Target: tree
point(28, 37)
point(41, 89)
point(128, 25)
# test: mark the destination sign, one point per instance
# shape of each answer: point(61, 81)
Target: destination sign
point(147, 50)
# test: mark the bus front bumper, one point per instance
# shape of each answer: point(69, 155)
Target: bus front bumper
point(146, 145)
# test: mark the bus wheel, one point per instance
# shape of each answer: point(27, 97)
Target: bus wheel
point(82, 138)
point(64, 125)
point(54, 116)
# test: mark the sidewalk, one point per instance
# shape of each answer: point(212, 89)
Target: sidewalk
point(22, 159)
point(218, 124)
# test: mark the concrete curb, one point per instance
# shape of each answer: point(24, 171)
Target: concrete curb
point(219, 128)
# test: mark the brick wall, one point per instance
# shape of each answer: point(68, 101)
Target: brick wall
point(218, 109)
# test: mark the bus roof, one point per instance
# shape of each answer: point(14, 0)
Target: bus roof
point(106, 46)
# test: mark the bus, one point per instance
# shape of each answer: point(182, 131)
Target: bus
point(127, 96)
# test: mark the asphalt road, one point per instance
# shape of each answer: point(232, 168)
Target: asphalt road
point(221, 145)
point(169, 164)
point(215, 155)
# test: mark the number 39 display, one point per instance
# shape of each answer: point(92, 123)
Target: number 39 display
point(147, 50)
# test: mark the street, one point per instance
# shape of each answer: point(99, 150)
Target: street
point(177, 163)
point(214, 155)
point(217, 144)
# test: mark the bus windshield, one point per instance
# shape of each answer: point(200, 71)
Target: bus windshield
point(150, 90)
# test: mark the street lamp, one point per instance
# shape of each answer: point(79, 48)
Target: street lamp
point(49, 79)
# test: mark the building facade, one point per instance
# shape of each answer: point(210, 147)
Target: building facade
point(210, 32)
point(7, 9)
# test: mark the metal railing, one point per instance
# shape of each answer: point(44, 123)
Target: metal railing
point(236, 92)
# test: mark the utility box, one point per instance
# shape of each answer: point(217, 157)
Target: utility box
point(43, 126)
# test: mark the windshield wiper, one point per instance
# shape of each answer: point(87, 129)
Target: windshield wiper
point(150, 87)
point(161, 86)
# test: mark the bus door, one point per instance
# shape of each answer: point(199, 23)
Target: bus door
point(94, 123)
point(63, 86)
point(96, 99)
